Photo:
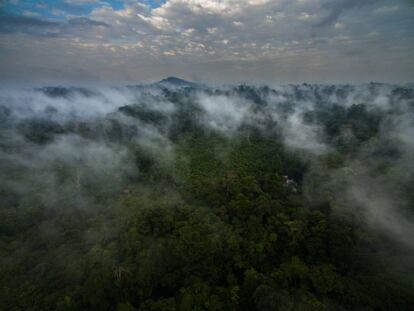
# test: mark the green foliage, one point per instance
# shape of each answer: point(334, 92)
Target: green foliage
point(225, 223)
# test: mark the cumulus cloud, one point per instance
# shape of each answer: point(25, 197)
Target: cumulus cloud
point(138, 41)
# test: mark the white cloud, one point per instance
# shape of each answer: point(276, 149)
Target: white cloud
point(387, 9)
point(31, 14)
point(339, 25)
point(212, 31)
point(222, 113)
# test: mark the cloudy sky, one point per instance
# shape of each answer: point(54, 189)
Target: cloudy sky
point(272, 41)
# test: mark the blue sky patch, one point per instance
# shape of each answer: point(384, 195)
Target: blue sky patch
point(59, 9)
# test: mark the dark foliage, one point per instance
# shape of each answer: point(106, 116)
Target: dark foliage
point(229, 222)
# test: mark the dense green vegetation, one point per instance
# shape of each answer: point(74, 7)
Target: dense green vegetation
point(193, 208)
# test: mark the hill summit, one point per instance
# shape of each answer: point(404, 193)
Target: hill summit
point(175, 82)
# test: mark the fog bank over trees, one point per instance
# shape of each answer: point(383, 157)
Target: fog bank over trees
point(183, 196)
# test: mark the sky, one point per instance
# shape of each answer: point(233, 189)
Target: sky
point(214, 41)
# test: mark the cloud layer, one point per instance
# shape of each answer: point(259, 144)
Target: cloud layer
point(259, 40)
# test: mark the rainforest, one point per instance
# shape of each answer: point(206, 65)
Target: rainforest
point(185, 196)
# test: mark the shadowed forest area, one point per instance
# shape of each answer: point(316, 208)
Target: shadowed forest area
point(182, 196)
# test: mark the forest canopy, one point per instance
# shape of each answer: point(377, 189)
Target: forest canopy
point(183, 196)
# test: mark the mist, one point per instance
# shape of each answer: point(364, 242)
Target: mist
point(104, 173)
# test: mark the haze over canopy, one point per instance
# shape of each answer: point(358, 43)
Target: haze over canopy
point(273, 41)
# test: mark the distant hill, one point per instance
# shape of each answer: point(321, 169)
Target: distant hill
point(174, 81)
point(66, 92)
